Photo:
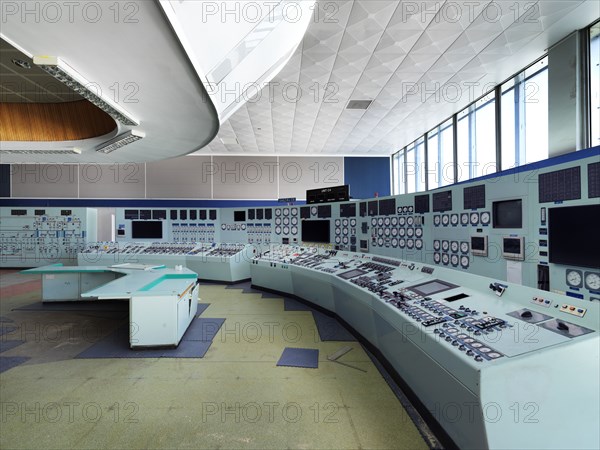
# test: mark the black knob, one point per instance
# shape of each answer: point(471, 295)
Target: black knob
point(526, 314)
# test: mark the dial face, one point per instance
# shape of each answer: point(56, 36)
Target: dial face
point(410, 243)
point(592, 281)
point(345, 240)
point(419, 244)
point(387, 232)
point(338, 239)
point(394, 231)
point(380, 231)
point(445, 246)
point(277, 220)
point(445, 220)
point(419, 232)
point(411, 209)
point(437, 258)
point(313, 210)
point(445, 259)
point(410, 232)
point(338, 231)
point(294, 230)
point(454, 260)
point(454, 246)
point(380, 221)
point(380, 242)
point(437, 245)
point(338, 222)
point(464, 261)
point(402, 232)
point(464, 247)
point(345, 231)
point(286, 230)
point(374, 222)
point(404, 209)
point(223, 227)
point(454, 220)
point(485, 218)
point(399, 210)
point(402, 243)
point(345, 222)
point(286, 220)
point(574, 278)
point(294, 221)
point(402, 221)
point(436, 221)
point(474, 218)
point(352, 222)
point(243, 226)
point(386, 221)
point(277, 230)
point(394, 242)
point(464, 219)
point(278, 212)
point(410, 221)
point(394, 221)
point(294, 211)
point(286, 211)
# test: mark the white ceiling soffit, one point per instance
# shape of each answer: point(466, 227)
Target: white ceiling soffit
point(419, 62)
point(238, 46)
point(131, 52)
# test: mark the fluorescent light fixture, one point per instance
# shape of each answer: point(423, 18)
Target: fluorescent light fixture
point(69, 76)
point(56, 151)
point(120, 141)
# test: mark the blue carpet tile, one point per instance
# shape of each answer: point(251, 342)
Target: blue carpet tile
point(299, 357)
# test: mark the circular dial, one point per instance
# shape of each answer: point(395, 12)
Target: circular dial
point(278, 212)
point(277, 230)
point(399, 210)
point(419, 232)
point(437, 258)
point(338, 222)
point(338, 231)
point(474, 218)
point(394, 221)
point(445, 246)
point(277, 220)
point(380, 242)
point(223, 227)
point(454, 247)
point(437, 245)
point(402, 243)
point(411, 209)
point(394, 231)
point(286, 211)
point(464, 261)
point(485, 218)
point(313, 210)
point(410, 221)
point(243, 226)
point(338, 239)
point(294, 221)
point(410, 232)
point(419, 244)
point(436, 221)
point(394, 242)
point(345, 222)
point(402, 221)
point(464, 219)
point(352, 222)
point(402, 232)
point(445, 220)
point(387, 232)
point(374, 222)
point(345, 231)
point(294, 211)
point(592, 281)
point(454, 260)
point(574, 278)
point(445, 259)
point(410, 243)
point(294, 230)
point(386, 221)
point(286, 220)
point(286, 230)
point(464, 247)
point(454, 220)
point(380, 221)
point(345, 240)
point(380, 231)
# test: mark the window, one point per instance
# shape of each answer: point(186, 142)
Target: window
point(595, 83)
point(398, 173)
point(411, 169)
point(440, 156)
point(525, 117)
point(477, 139)
point(420, 165)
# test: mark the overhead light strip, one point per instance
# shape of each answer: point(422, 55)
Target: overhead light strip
point(70, 77)
point(120, 141)
point(56, 151)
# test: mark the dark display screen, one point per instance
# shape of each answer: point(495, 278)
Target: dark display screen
point(574, 238)
point(324, 211)
point(146, 229)
point(508, 214)
point(239, 216)
point(387, 207)
point(348, 210)
point(422, 204)
point(442, 201)
point(316, 231)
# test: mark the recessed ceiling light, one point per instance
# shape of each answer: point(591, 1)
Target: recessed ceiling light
point(22, 64)
point(359, 104)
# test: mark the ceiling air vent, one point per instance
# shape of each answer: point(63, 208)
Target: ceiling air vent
point(229, 141)
point(359, 104)
point(73, 151)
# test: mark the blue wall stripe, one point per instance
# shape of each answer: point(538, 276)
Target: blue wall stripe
point(367, 176)
point(142, 203)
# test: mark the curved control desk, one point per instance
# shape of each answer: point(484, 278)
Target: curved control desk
point(162, 301)
point(519, 370)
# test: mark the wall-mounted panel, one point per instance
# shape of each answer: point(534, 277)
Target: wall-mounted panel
point(299, 174)
point(244, 177)
point(44, 180)
point(185, 177)
point(111, 180)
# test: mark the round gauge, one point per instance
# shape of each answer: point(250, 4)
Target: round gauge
point(410, 232)
point(454, 260)
point(277, 220)
point(592, 281)
point(380, 231)
point(419, 244)
point(380, 221)
point(386, 221)
point(223, 227)
point(394, 232)
point(294, 221)
point(345, 222)
point(574, 278)
point(445, 220)
point(410, 221)
point(286, 230)
point(445, 259)
point(445, 246)
point(399, 210)
point(352, 222)
point(286, 211)
point(394, 221)
point(380, 242)
point(464, 219)
point(437, 258)
point(437, 245)
point(313, 210)
point(404, 209)
point(464, 247)
point(394, 242)
point(388, 232)
point(436, 221)
point(402, 243)
point(474, 218)
point(485, 218)
point(345, 231)
point(345, 240)
point(419, 232)
point(286, 220)
point(454, 247)
point(277, 212)
point(374, 222)
point(294, 230)
point(243, 226)
point(410, 243)
point(238, 226)
point(464, 261)
point(294, 211)
point(402, 221)
point(338, 222)
point(411, 209)
point(402, 232)
point(338, 239)
point(338, 231)
point(277, 230)
point(454, 220)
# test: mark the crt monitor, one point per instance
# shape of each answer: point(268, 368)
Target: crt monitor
point(573, 236)
point(146, 229)
point(239, 216)
point(316, 231)
point(508, 214)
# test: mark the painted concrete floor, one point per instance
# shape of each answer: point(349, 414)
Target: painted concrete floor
point(234, 397)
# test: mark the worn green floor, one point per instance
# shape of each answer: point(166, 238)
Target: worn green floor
point(234, 397)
